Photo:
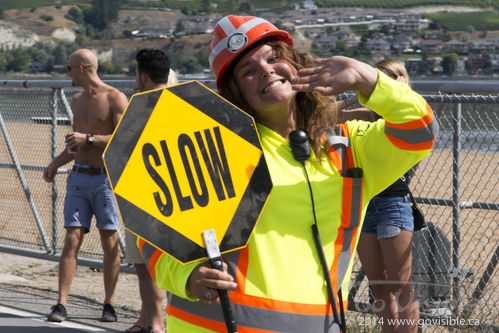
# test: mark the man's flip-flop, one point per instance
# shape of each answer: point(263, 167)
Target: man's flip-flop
point(138, 329)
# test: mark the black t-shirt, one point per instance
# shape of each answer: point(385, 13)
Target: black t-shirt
point(399, 188)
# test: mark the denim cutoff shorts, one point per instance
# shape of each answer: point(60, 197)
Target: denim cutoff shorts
point(387, 216)
point(88, 195)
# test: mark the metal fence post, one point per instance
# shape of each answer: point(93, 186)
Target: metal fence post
point(456, 197)
point(66, 108)
point(53, 109)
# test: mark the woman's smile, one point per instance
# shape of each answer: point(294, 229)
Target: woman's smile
point(264, 79)
point(273, 85)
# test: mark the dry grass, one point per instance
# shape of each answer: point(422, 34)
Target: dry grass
point(33, 20)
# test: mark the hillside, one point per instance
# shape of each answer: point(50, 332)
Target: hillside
point(33, 21)
point(32, 24)
point(124, 49)
point(25, 27)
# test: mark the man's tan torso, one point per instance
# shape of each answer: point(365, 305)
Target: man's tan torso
point(93, 114)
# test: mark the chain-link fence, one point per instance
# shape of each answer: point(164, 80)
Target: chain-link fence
point(34, 121)
point(454, 259)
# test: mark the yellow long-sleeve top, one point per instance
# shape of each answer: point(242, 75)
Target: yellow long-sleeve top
point(280, 278)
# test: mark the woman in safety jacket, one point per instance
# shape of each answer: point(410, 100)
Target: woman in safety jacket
point(277, 282)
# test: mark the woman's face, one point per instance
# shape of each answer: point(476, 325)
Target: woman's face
point(264, 80)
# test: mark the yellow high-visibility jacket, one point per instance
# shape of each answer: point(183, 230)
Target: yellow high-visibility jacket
point(280, 280)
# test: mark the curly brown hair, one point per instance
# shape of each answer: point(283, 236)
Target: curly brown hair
point(315, 113)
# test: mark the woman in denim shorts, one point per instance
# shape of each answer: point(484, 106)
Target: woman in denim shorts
point(385, 251)
point(385, 245)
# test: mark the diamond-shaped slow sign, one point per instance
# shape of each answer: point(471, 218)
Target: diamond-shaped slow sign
point(183, 160)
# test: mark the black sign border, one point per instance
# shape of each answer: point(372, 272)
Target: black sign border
point(154, 231)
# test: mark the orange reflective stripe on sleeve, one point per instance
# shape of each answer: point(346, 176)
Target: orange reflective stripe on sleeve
point(418, 134)
point(402, 144)
point(415, 124)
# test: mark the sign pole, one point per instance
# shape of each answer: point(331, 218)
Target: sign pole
point(215, 258)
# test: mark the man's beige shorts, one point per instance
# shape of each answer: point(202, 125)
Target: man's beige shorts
point(132, 251)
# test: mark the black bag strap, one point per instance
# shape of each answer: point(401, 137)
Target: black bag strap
point(404, 180)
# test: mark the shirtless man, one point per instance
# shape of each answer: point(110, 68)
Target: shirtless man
point(96, 112)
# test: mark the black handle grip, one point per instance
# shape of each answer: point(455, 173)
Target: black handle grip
point(230, 323)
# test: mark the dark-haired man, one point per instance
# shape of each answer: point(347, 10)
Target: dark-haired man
point(152, 72)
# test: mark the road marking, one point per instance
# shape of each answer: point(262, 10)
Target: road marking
point(38, 317)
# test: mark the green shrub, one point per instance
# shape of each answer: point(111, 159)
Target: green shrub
point(47, 18)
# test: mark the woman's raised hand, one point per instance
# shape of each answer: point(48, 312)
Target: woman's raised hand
point(336, 75)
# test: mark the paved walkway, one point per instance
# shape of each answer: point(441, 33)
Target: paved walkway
point(23, 309)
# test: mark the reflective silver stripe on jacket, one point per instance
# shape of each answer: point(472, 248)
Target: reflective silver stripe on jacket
point(415, 136)
point(258, 318)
